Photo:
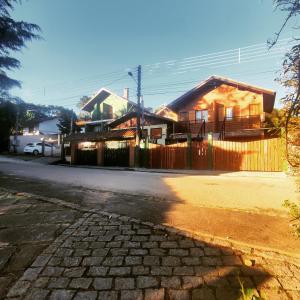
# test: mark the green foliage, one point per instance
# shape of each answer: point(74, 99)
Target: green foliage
point(83, 100)
point(13, 37)
point(247, 294)
point(67, 116)
point(294, 211)
point(7, 122)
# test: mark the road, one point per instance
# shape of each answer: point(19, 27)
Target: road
point(243, 208)
point(223, 191)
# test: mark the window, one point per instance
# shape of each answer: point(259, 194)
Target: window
point(229, 113)
point(107, 111)
point(183, 116)
point(254, 109)
point(201, 115)
point(156, 133)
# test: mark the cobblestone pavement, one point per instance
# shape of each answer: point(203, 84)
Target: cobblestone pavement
point(108, 257)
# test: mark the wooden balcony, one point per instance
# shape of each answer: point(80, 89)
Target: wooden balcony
point(201, 128)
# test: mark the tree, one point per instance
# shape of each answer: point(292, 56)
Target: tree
point(83, 100)
point(290, 77)
point(7, 122)
point(67, 117)
point(13, 37)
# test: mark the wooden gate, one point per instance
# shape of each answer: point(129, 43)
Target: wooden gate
point(118, 157)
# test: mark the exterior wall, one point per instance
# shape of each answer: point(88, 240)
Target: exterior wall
point(46, 127)
point(119, 105)
point(168, 113)
point(223, 96)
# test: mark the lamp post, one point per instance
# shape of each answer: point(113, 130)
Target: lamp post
point(138, 114)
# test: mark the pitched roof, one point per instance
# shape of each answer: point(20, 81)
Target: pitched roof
point(100, 96)
point(119, 134)
point(132, 114)
point(214, 81)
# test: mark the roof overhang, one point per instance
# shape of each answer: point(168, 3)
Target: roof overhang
point(215, 81)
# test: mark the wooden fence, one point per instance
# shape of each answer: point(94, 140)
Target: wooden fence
point(262, 155)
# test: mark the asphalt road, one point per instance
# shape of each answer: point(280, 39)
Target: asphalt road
point(255, 194)
point(245, 209)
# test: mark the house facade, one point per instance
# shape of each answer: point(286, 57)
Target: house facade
point(227, 108)
point(103, 108)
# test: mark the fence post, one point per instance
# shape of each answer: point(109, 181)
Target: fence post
point(189, 151)
point(100, 153)
point(132, 154)
point(210, 150)
point(74, 149)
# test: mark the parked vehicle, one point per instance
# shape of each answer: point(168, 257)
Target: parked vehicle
point(36, 149)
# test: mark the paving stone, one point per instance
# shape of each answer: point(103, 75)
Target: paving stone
point(183, 271)
point(119, 271)
point(19, 289)
point(82, 252)
point(178, 295)
point(131, 295)
point(89, 295)
point(171, 261)
point(179, 252)
point(97, 271)
point(211, 251)
point(113, 261)
point(290, 283)
point(41, 282)
point(140, 270)
point(62, 295)
point(92, 261)
point(37, 294)
point(74, 272)
point(154, 294)
point(150, 245)
point(146, 282)
point(53, 271)
point(151, 260)
point(108, 295)
point(158, 251)
point(212, 261)
point(171, 282)
point(58, 283)
point(131, 244)
point(203, 294)
point(99, 244)
point(191, 261)
point(140, 238)
point(186, 243)
point(62, 252)
point(71, 261)
point(191, 282)
point(102, 283)
point(157, 270)
point(196, 252)
point(138, 251)
point(133, 260)
point(80, 283)
point(169, 245)
point(124, 283)
point(100, 252)
point(120, 251)
point(227, 294)
point(41, 261)
point(157, 238)
point(55, 261)
point(31, 274)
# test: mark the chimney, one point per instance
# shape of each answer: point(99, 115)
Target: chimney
point(126, 93)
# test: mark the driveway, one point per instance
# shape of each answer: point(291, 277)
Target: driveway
point(241, 208)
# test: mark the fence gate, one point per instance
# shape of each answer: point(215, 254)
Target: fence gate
point(116, 157)
point(87, 157)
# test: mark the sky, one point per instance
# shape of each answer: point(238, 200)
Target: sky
point(91, 44)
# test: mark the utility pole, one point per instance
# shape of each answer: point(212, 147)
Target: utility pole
point(138, 117)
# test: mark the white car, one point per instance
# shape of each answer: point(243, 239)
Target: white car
point(36, 149)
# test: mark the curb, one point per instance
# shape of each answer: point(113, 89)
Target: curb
point(248, 249)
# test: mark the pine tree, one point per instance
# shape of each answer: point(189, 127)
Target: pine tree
point(13, 37)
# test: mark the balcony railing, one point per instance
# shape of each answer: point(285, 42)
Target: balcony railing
point(201, 127)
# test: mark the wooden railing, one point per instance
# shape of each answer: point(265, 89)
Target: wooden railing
point(201, 127)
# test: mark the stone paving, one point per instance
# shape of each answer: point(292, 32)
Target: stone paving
point(112, 257)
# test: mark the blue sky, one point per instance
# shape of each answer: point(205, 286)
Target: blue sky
point(90, 44)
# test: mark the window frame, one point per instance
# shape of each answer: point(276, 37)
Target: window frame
point(156, 137)
point(201, 114)
point(232, 113)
